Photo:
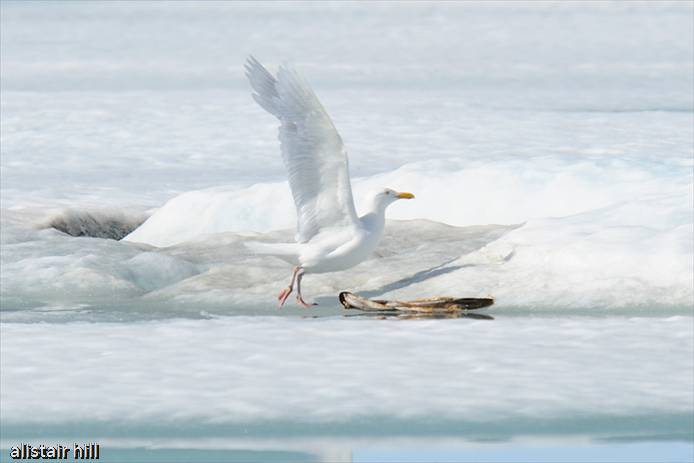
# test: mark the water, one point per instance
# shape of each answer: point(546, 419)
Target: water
point(550, 150)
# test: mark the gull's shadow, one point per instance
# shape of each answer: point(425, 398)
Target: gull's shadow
point(418, 277)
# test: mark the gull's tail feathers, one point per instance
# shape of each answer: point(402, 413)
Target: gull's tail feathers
point(288, 252)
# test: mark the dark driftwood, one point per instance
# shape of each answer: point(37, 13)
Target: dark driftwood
point(433, 305)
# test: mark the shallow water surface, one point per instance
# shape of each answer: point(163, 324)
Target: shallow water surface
point(355, 385)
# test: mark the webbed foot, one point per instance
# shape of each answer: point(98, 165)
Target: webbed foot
point(301, 301)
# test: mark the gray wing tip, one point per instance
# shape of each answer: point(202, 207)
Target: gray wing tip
point(263, 84)
point(255, 70)
point(252, 64)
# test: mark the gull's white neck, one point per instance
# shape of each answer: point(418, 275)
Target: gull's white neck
point(375, 219)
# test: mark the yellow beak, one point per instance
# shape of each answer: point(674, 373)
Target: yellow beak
point(405, 195)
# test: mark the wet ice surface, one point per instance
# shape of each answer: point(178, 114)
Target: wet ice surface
point(255, 375)
point(550, 150)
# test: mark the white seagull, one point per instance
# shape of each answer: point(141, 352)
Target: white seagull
point(330, 236)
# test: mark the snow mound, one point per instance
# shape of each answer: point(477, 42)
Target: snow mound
point(611, 258)
point(502, 190)
point(607, 257)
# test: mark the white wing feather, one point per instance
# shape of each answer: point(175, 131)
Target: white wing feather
point(312, 150)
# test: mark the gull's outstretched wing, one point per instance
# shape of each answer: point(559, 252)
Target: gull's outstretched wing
point(312, 150)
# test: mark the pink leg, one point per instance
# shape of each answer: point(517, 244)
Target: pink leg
point(299, 297)
point(284, 294)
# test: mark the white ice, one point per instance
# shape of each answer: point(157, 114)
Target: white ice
point(235, 375)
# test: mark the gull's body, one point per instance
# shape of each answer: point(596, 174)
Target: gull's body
point(330, 236)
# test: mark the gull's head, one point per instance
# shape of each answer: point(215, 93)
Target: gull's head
point(387, 196)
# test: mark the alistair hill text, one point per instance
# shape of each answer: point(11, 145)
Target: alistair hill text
point(57, 452)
